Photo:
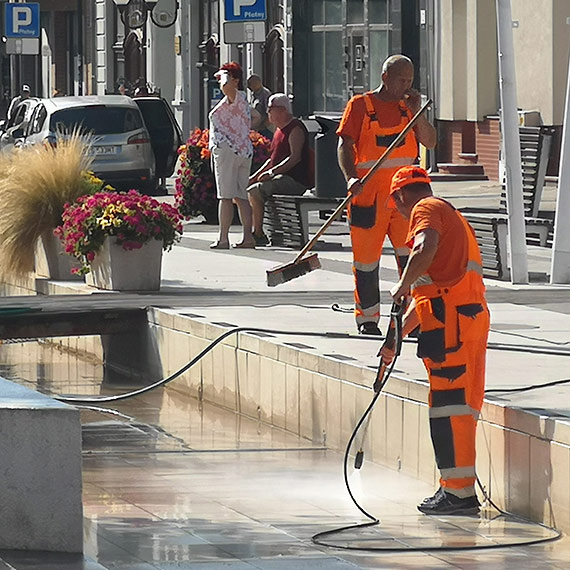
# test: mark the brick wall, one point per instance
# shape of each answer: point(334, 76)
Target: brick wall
point(487, 141)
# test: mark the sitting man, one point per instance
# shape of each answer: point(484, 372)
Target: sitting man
point(287, 170)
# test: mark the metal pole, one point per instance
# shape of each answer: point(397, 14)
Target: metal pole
point(432, 55)
point(560, 268)
point(511, 138)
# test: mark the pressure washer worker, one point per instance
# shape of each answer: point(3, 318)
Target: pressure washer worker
point(444, 276)
point(369, 125)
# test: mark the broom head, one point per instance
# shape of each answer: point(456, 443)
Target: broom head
point(284, 273)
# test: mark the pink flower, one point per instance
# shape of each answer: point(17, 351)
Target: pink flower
point(131, 217)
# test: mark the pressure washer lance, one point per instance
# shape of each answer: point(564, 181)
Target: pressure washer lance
point(393, 338)
point(300, 266)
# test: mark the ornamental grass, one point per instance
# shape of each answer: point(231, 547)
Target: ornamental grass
point(35, 184)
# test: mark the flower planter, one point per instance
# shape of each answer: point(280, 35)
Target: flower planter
point(52, 262)
point(117, 269)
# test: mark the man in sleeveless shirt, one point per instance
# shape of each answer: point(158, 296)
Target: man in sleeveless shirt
point(287, 170)
point(369, 124)
point(444, 276)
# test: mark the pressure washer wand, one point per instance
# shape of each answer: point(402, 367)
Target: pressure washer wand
point(393, 338)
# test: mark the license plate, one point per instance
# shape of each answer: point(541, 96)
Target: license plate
point(104, 150)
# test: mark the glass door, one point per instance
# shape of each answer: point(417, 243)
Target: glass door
point(357, 62)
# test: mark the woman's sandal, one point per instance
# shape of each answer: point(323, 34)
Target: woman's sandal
point(220, 245)
point(244, 245)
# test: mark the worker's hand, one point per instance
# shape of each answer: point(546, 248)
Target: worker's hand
point(387, 353)
point(413, 100)
point(399, 292)
point(354, 186)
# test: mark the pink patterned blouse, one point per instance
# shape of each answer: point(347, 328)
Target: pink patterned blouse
point(229, 123)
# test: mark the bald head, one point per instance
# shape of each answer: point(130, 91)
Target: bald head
point(397, 78)
point(396, 62)
point(254, 82)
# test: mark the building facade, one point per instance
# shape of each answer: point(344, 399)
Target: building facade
point(319, 52)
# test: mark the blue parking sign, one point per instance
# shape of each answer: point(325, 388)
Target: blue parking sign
point(22, 20)
point(245, 10)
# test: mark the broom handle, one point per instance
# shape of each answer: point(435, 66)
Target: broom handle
point(309, 245)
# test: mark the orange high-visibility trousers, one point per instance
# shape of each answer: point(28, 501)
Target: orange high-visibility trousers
point(453, 344)
point(455, 400)
point(370, 222)
point(370, 218)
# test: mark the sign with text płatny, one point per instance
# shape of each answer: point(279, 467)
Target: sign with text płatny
point(244, 10)
point(22, 20)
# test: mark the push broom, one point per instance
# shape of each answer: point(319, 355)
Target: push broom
point(301, 265)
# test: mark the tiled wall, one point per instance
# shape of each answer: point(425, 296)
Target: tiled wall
point(523, 459)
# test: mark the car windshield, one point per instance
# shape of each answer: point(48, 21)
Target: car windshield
point(98, 120)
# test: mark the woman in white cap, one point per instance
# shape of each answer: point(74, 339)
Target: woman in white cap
point(232, 152)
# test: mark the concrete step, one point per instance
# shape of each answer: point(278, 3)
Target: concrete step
point(455, 177)
point(461, 168)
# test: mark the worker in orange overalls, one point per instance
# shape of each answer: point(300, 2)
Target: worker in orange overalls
point(444, 276)
point(369, 125)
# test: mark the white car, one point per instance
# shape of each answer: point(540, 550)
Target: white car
point(121, 144)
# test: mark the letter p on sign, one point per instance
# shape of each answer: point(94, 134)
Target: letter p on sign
point(22, 17)
point(239, 4)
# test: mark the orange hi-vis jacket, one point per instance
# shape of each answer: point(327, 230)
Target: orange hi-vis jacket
point(370, 217)
point(454, 326)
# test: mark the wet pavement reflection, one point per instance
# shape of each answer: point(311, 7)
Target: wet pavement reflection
point(173, 484)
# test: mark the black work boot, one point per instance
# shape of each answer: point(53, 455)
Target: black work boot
point(369, 328)
point(434, 497)
point(443, 503)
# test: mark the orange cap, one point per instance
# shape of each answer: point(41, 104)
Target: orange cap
point(404, 176)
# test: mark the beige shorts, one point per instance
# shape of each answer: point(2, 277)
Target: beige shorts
point(281, 184)
point(231, 173)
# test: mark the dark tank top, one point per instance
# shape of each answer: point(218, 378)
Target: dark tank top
point(280, 150)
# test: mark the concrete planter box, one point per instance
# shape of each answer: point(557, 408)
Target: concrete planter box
point(41, 472)
point(116, 269)
point(52, 262)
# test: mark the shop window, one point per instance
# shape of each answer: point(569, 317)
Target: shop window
point(378, 11)
point(317, 78)
point(349, 41)
point(378, 51)
point(335, 73)
point(318, 12)
point(355, 11)
point(333, 12)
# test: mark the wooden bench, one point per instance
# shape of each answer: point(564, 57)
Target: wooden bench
point(491, 226)
point(535, 152)
point(286, 218)
point(491, 231)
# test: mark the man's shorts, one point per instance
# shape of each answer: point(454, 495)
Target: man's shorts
point(231, 172)
point(280, 184)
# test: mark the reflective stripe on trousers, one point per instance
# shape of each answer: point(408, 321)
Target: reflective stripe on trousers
point(370, 222)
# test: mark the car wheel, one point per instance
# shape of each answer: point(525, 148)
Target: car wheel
point(149, 188)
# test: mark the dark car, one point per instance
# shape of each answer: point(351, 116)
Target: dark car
point(165, 134)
